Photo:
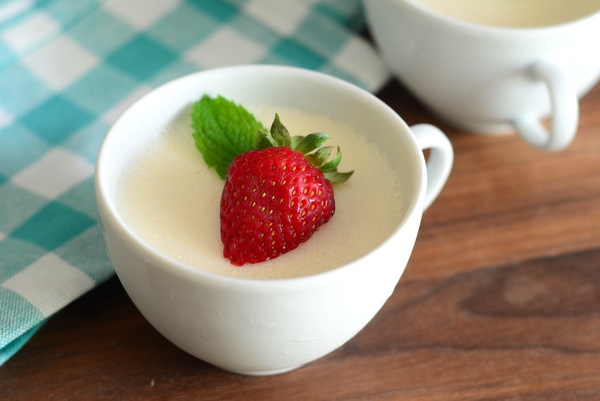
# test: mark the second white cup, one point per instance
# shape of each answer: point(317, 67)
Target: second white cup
point(491, 79)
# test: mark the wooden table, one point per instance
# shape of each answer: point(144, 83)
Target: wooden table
point(500, 300)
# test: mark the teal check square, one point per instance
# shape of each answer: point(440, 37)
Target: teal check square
point(17, 206)
point(88, 252)
point(53, 225)
point(68, 12)
point(142, 58)
point(101, 89)
point(255, 31)
point(19, 147)
point(6, 54)
point(102, 33)
point(183, 28)
point(342, 12)
point(15, 81)
point(16, 256)
point(217, 9)
point(56, 119)
point(322, 35)
point(297, 54)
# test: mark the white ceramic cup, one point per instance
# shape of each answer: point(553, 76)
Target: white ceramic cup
point(261, 327)
point(487, 79)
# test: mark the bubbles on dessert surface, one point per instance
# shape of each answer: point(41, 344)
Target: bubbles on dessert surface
point(171, 199)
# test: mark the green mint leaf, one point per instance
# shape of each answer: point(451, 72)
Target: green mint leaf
point(223, 130)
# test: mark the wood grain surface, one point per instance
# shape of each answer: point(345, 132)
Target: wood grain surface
point(500, 300)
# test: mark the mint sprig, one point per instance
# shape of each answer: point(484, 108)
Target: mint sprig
point(223, 130)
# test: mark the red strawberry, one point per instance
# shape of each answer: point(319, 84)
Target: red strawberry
point(275, 198)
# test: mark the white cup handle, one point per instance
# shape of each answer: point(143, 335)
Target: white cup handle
point(564, 112)
point(439, 163)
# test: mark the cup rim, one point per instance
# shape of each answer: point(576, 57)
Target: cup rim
point(465, 24)
point(103, 198)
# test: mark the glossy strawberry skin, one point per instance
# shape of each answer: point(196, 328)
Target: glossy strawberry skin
point(273, 200)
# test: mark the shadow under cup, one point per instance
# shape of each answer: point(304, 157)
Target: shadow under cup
point(248, 326)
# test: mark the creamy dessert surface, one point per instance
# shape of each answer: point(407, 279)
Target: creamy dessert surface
point(515, 13)
point(170, 198)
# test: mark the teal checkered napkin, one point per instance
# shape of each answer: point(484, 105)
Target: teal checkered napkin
point(68, 68)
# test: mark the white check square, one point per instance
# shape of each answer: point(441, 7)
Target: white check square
point(49, 284)
point(283, 16)
point(225, 47)
point(30, 32)
point(140, 14)
point(60, 62)
point(54, 174)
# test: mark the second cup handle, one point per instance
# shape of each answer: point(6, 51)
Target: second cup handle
point(439, 163)
point(564, 112)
